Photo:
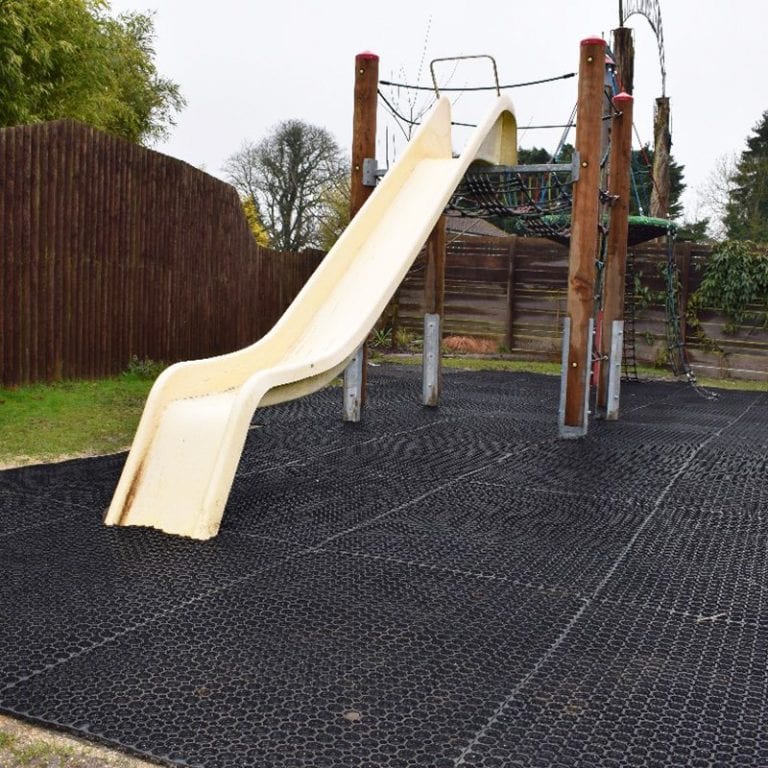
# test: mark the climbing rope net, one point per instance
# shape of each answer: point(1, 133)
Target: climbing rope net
point(537, 201)
point(525, 200)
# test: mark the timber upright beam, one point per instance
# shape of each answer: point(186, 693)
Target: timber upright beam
point(616, 255)
point(577, 336)
point(363, 149)
point(624, 56)
point(662, 145)
point(434, 302)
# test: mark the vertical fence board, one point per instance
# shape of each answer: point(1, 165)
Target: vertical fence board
point(6, 249)
point(4, 282)
point(69, 255)
point(12, 248)
point(39, 226)
point(109, 250)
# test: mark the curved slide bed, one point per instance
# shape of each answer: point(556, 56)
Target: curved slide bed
point(183, 460)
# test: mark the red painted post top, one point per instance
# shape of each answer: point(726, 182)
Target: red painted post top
point(623, 98)
point(593, 41)
point(367, 56)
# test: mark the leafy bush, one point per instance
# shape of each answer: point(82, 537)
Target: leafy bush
point(143, 370)
point(735, 282)
point(381, 337)
point(405, 339)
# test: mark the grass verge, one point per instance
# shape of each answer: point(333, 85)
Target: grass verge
point(553, 369)
point(49, 422)
point(26, 746)
point(46, 422)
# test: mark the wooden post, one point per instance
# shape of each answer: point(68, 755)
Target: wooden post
point(624, 55)
point(616, 249)
point(509, 339)
point(584, 239)
point(434, 304)
point(662, 144)
point(363, 148)
point(434, 276)
point(363, 125)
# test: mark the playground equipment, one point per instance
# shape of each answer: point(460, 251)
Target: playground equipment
point(538, 201)
point(182, 464)
point(183, 460)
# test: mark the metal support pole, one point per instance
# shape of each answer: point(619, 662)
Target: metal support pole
point(569, 431)
point(431, 360)
point(614, 372)
point(353, 386)
point(434, 308)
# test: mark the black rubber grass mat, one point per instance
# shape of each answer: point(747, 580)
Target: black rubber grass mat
point(432, 587)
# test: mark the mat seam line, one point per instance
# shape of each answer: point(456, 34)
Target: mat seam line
point(315, 549)
point(563, 636)
point(314, 456)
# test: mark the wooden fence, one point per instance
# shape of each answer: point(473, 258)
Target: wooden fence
point(514, 292)
point(111, 251)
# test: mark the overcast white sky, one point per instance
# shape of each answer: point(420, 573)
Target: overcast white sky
point(245, 65)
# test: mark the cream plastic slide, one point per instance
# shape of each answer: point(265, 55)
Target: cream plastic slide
point(181, 466)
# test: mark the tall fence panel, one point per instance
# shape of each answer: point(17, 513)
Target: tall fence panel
point(111, 251)
point(514, 290)
point(476, 288)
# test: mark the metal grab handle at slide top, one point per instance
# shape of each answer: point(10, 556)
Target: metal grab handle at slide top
point(463, 58)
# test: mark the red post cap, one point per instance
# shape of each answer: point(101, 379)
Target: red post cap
point(367, 56)
point(623, 98)
point(593, 41)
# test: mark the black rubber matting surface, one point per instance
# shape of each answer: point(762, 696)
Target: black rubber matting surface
point(449, 587)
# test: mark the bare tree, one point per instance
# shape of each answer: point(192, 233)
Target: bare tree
point(713, 195)
point(335, 217)
point(288, 176)
point(241, 171)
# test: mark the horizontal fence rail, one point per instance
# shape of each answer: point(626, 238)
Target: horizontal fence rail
point(514, 292)
point(110, 251)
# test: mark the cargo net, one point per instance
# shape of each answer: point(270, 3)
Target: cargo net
point(528, 203)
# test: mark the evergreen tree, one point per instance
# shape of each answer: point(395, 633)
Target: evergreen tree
point(746, 212)
point(538, 155)
point(641, 184)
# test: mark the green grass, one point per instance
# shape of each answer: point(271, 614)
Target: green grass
point(32, 753)
point(553, 369)
point(6, 740)
point(42, 754)
point(26, 746)
point(744, 386)
point(478, 364)
point(44, 422)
